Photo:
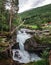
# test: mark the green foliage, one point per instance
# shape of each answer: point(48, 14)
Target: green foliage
point(42, 39)
point(3, 16)
point(45, 54)
point(40, 62)
point(31, 26)
point(37, 16)
point(46, 39)
point(16, 20)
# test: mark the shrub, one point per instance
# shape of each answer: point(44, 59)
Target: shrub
point(41, 62)
point(45, 54)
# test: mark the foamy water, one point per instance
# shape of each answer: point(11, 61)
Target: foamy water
point(21, 55)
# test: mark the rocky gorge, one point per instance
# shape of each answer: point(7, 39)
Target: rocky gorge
point(30, 45)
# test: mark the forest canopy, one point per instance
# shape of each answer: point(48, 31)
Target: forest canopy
point(7, 16)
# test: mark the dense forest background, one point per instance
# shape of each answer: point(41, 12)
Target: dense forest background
point(38, 15)
point(8, 17)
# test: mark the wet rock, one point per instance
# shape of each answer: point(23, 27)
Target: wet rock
point(16, 46)
point(30, 44)
point(17, 55)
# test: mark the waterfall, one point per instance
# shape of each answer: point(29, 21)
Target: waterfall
point(21, 55)
point(21, 37)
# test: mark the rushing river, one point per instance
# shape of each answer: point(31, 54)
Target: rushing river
point(21, 55)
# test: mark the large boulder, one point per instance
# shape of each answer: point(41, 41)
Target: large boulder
point(30, 44)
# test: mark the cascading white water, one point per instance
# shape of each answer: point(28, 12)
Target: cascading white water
point(21, 55)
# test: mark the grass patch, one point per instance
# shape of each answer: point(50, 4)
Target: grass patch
point(31, 26)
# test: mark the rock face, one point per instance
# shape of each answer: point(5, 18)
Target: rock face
point(30, 44)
